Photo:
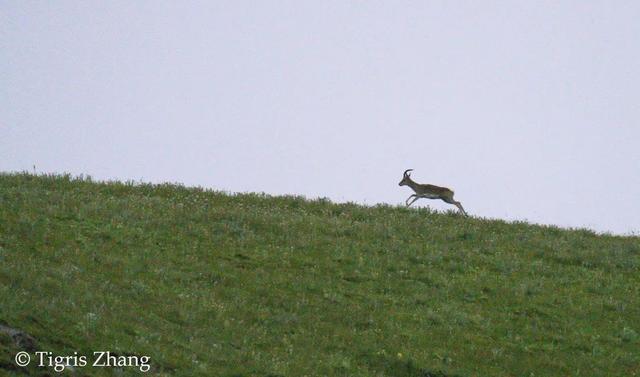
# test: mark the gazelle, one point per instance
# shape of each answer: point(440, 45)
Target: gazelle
point(428, 192)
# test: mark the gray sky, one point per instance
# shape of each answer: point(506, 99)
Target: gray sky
point(528, 110)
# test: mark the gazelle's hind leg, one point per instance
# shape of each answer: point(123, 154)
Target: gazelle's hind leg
point(457, 204)
point(450, 200)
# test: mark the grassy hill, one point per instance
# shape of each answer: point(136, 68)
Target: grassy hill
point(212, 284)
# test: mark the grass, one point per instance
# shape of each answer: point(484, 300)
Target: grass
point(212, 284)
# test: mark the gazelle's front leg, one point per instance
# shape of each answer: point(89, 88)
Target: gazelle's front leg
point(414, 196)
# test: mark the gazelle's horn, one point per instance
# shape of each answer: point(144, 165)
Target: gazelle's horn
point(406, 172)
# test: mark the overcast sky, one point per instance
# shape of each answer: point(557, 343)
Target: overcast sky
point(528, 110)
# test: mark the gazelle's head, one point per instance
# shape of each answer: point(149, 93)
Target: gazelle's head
point(406, 178)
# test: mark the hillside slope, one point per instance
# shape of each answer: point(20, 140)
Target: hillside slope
point(210, 284)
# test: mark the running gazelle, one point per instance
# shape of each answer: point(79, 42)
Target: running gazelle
point(428, 192)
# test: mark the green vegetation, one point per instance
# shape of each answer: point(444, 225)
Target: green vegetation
point(212, 284)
